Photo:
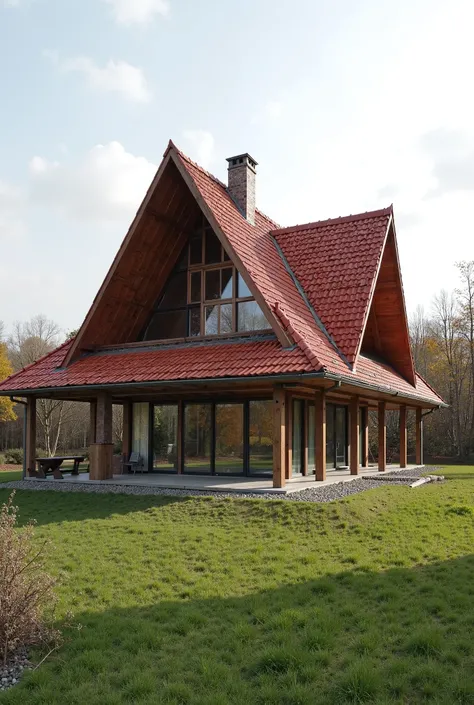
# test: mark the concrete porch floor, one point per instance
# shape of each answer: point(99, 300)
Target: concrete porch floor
point(221, 483)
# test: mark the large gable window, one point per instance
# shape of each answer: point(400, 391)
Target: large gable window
point(205, 295)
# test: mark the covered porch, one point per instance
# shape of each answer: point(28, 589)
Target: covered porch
point(219, 483)
point(258, 434)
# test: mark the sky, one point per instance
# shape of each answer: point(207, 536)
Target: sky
point(346, 105)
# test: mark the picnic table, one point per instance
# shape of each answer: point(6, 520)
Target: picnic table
point(52, 465)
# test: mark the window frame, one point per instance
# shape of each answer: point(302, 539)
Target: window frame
point(234, 300)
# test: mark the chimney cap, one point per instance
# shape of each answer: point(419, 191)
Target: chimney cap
point(241, 160)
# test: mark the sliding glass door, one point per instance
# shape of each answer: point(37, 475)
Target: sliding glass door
point(165, 438)
point(198, 438)
point(229, 444)
point(336, 436)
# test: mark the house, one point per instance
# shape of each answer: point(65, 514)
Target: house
point(235, 346)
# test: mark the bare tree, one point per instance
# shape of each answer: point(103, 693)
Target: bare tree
point(28, 342)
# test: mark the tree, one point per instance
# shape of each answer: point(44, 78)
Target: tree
point(6, 369)
point(28, 342)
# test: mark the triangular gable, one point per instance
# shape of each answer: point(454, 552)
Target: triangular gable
point(149, 252)
point(386, 333)
point(253, 248)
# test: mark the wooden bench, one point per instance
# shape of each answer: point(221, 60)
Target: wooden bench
point(52, 465)
point(135, 461)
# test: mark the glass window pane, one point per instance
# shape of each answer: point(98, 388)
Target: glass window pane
point(229, 439)
point(226, 283)
point(213, 284)
point(260, 438)
point(195, 321)
point(297, 454)
point(183, 261)
point(140, 428)
point(211, 314)
point(167, 325)
point(197, 438)
point(165, 437)
point(341, 436)
point(226, 256)
point(250, 317)
point(226, 319)
point(195, 287)
point(213, 248)
point(195, 250)
point(174, 294)
point(242, 288)
point(311, 469)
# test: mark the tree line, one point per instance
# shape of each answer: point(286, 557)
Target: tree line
point(443, 349)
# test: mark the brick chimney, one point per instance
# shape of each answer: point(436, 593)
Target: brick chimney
point(241, 184)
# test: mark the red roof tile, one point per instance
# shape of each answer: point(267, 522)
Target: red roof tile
point(336, 263)
point(315, 278)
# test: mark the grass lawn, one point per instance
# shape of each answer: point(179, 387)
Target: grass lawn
point(215, 602)
point(10, 475)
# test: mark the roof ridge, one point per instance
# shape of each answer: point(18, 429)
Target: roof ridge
point(171, 145)
point(40, 359)
point(335, 221)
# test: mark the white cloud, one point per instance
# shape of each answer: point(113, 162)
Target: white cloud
point(201, 146)
point(11, 3)
point(141, 12)
point(116, 76)
point(106, 185)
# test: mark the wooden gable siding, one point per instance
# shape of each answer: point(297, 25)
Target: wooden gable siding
point(386, 334)
point(136, 279)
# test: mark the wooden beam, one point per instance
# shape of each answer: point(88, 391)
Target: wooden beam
point(419, 437)
point(403, 436)
point(289, 437)
point(320, 436)
point(279, 437)
point(30, 449)
point(103, 429)
point(382, 454)
point(354, 435)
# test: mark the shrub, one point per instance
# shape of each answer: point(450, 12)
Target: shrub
point(14, 456)
point(25, 587)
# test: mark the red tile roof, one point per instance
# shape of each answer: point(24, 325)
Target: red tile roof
point(315, 278)
point(216, 361)
point(336, 263)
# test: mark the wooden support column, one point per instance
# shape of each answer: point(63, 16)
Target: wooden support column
point(365, 437)
point(93, 421)
point(30, 445)
point(320, 436)
point(382, 454)
point(102, 450)
point(419, 437)
point(127, 431)
point(279, 437)
point(289, 437)
point(403, 436)
point(354, 436)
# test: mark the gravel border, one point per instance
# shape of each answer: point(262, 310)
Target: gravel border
point(325, 493)
point(11, 673)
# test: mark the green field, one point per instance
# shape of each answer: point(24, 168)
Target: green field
point(205, 601)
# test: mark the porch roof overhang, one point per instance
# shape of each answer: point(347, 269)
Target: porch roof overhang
point(339, 386)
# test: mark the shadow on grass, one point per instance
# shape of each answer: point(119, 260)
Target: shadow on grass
point(53, 506)
point(402, 636)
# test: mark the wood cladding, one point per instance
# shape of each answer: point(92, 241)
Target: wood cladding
point(143, 264)
point(386, 333)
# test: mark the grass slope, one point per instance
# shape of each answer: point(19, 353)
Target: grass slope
point(214, 602)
